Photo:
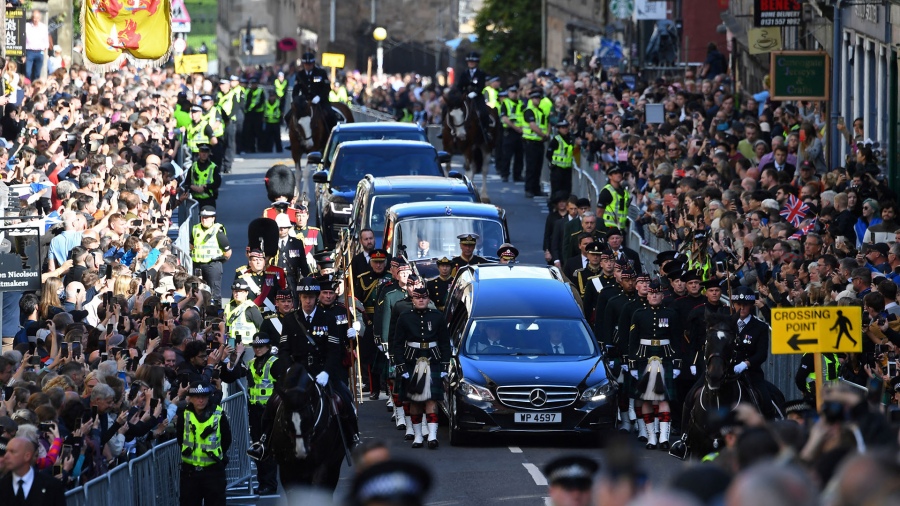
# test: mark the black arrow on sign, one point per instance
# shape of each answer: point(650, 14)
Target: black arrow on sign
point(795, 342)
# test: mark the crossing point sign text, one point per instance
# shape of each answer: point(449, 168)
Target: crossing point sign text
point(835, 329)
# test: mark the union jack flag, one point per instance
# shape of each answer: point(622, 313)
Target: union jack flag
point(794, 210)
point(805, 230)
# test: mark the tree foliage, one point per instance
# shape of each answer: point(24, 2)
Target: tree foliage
point(509, 35)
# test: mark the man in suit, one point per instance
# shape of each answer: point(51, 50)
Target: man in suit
point(491, 337)
point(559, 227)
point(360, 261)
point(23, 485)
point(615, 237)
point(571, 229)
point(780, 164)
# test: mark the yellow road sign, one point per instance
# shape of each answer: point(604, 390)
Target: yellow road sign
point(335, 60)
point(817, 329)
point(190, 63)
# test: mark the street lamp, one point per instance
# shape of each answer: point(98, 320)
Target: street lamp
point(379, 34)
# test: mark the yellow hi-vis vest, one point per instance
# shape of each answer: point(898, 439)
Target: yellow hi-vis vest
point(830, 370)
point(209, 117)
point(562, 157)
point(527, 133)
point(514, 112)
point(198, 450)
point(272, 114)
point(255, 100)
point(206, 244)
point(490, 96)
point(263, 383)
point(280, 87)
point(225, 104)
point(339, 95)
point(203, 177)
point(196, 135)
point(239, 326)
point(616, 212)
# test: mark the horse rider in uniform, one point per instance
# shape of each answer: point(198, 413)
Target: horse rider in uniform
point(204, 436)
point(609, 334)
point(391, 293)
point(262, 373)
point(203, 180)
point(642, 290)
point(439, 286)
point(310, 338)
point(420, 352)
point(560, 154)
point(372, 352)
point(272, 125)
point(652, 363)
point(290, 255)
point(467, 254)
point(226, 103)
point(614, 199)
point(242, 317)
point(695, 332)
point(313, 84)
point(507, 254)
point(534, 133)
point(253, 117)
point(212, 118)
point(210, 250)
point(471, 83)
point(273, 322)
point(752, 350)
point(199, 132)
point(511, 115)
point(263, 280)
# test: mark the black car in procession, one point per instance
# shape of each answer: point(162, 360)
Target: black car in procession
point(353, 160)
point(524, 357)
point(364, 131)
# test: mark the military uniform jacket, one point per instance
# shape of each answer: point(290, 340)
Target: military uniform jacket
point(273, 326)
point(311, 238)
point(628, 311)
point(684, 305)
point(671, 297)
point(421, 326)
point(753, 346)
point(607, 294)
point(654, 323)
point(339, 312)
point(692, 350)
point(264, 285)
point(292, 259)
point(588, 289)
point(317, 346)
point(459, 261)
point(609, 325)
point(385, 310)
point(438, 289)
point(365, 288)
point(316, 83)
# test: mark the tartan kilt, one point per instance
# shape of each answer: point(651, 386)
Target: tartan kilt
point(640, 386)
point(411, 356)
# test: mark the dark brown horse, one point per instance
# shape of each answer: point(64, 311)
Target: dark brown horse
point(463, 135)
point(308, 131)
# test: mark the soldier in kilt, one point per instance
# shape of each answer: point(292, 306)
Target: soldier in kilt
point(420, 352)
point(653, 364)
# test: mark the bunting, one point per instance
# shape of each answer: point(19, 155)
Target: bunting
point(115, 30)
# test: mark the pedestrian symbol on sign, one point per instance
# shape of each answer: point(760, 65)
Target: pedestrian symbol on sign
point(845, 327)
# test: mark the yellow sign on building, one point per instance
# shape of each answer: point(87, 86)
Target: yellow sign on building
point(190, 63)
point(335, 60)
point(817, 330)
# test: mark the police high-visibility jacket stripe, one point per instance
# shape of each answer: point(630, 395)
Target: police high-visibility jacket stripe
point(272, 114)
point(539, 120)
point(562, 157)
point(203, 177)
point(239, 326)
point(263, 382)
point(615, 214)
point(202, 445)
point(206, 243)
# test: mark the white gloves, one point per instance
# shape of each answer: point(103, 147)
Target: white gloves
point(625, 367)
point(472, 94)
point(740, 368)
point(675, 373)
point(316, 100)
point(634, 374)
point(405, 375)
point(444, 374)
point(322, 378)
point(352, 333)
point(693, 370)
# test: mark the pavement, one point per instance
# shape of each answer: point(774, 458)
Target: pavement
point(493, 470)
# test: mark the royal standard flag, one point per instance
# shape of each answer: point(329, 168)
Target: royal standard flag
point(137, 30)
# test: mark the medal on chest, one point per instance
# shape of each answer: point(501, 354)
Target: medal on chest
point(429, 326)
point(663, 322)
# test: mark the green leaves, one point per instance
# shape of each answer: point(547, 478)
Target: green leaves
point(509, 35)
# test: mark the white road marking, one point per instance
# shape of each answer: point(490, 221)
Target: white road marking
point(515, 449)
point(547, 502)
point(536, 474)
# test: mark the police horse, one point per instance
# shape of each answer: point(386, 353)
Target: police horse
point(719, 391)
point(462, 134)
point(308, 131)
point(306, 436)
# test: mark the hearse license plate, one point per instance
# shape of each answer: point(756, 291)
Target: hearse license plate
point(538, 417)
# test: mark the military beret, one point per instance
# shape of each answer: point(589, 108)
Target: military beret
point(284, 295)
point(420, 292)
point(643, 277)
point(656, 287)
point(628, 272)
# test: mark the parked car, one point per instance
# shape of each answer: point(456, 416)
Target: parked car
point(439, 224)
point(353, 160)
point(524, 358)
point(368, 131)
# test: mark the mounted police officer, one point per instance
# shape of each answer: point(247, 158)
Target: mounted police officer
point(560, 154)
point(242, 317)
point(752, 349)
point(310, 338)
point(653, 363)
point(420, 352)
point(313, 84)
point(203, 180)
point(438, 287)
point(471, 83)
point(210, 250)
point(262, 373)
point(511, 115)
point(204, 436)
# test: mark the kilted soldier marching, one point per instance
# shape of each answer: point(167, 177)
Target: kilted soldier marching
point(262, 373)
point(204, 436)
point(652, 363)
point(608, 333)
point(389, 293)
point(420, 352)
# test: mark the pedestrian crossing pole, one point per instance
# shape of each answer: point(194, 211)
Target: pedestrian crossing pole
point(817, 357)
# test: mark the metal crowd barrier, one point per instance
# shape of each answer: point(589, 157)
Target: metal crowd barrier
point(186, 215)
point(238, 473)
point(151, 479)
